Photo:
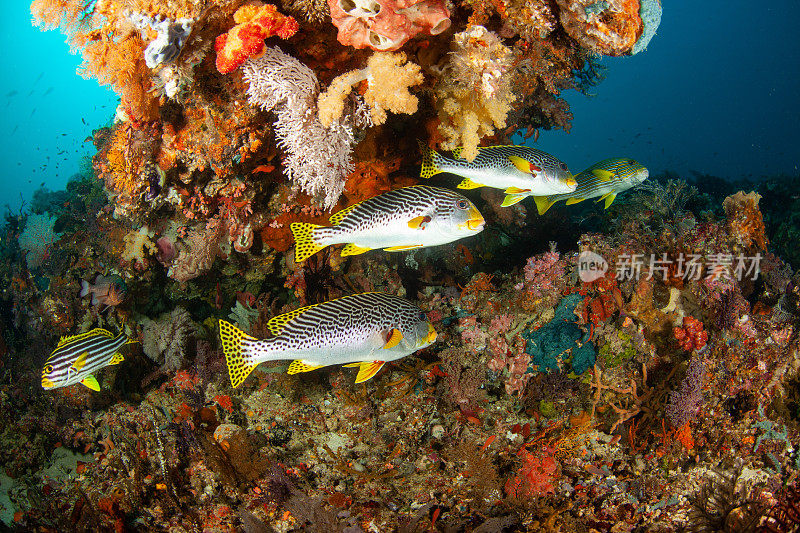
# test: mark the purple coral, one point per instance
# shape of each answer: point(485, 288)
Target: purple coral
point(542, 272)
point(685, 403)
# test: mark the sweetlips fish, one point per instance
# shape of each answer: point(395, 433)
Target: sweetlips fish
point(604, 179)
point(78, 357)
point(520, 170)
point(361, 330)
point(402, 219)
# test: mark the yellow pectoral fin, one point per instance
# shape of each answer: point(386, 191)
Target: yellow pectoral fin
point(91, 382)
point(394, 338)
point(419, 222)
point(402, 248)
point(609, 200)
point(117, 359)
point(523, 165)
point(354, 249)
point(543, 203)
point(467, 183)
point(516, 190)
point(602, 175)
point(512, 199)
point(80, 362)
point(573, 201)
point(298, 365)
point(367, 369)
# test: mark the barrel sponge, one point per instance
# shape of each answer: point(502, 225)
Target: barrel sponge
point(650, 13)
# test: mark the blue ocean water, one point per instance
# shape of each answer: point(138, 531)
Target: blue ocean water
point(715, 93)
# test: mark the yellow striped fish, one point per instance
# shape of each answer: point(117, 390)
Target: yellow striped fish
point(604, 179)
point(362, 330)
point(521, 171)
point(402, 219)
point(78, 357)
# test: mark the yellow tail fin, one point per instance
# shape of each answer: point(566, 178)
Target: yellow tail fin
point(304, 244)
point(239, 366)
point(429, 161)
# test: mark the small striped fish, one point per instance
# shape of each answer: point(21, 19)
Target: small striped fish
point(605, 180)
point(521, 170)
point(78, 357)
point(403, 219)
point(362, 330)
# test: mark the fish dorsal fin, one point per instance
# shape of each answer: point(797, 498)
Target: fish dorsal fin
point(117, 359)
point(419, 222)
point(543, 203)
point(298, 365)
point(95, 332)
point(366, 369)
point(354, 249)
point(277, 323)
point(457, 152)
point(339, 216)
point(602, 175)
point(91, 382)
point(393, 338)
point(573, 201)
point(80, 362)
point(467, 183)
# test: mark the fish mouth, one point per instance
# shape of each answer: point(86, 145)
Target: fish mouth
point(476, 220)
point(47, 383)
point(571, 182)
point(430, 338)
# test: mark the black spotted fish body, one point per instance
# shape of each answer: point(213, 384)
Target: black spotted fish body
point(402, 219)
point(603, 180)
point(363, 330)
point(521, 171)
point(77, 358)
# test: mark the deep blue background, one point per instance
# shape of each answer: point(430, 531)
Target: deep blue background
point(716, 92)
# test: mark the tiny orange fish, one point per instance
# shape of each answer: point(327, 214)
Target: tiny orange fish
point(263, 168)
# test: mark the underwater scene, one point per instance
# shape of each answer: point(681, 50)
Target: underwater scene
point(335, 266)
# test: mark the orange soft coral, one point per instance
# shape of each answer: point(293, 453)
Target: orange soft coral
point(254, 23)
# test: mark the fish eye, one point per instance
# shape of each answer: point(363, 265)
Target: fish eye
point(563, 166)
point(462, 204)
point(48, 369)
point(422, 315)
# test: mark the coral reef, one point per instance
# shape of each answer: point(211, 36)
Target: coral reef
point(550, 401)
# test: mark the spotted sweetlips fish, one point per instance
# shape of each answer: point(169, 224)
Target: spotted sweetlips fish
point(604, 180)
point(521, 171)
point(402, 219)
point(362, 330)
point(78, 357)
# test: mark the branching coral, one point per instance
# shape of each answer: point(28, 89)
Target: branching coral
point(318, 157)
point(112, 49)
point(388, 78)
point(473, 93)
point(37, 238)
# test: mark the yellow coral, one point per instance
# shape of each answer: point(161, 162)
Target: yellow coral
point(473, 95)
point(388, 77)
point(138, 245)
